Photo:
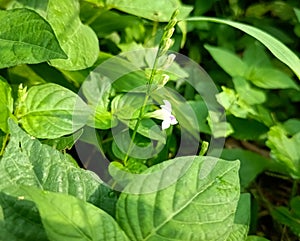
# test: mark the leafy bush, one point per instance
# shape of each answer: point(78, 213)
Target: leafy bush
point(134, 140)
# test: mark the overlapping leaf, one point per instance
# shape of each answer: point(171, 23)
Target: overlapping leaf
point(25, 37)
point(28, 162)
point(62, 222)
point(78, 41)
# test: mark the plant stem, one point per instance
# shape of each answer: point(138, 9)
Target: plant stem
point(161, 49)
point(141, 113)
point(4, 144)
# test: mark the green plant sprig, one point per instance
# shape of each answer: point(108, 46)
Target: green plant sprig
point(164, 45)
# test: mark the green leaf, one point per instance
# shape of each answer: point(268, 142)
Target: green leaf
point(285, 150)
point(21, 220)
point(247, 93)
point(247, 129)
point(292, 126)
point(67, 218)
point(256, 238)
point(6, 104)
point(229, 61)
point(25, 37)
point(96, 90)
point(78, 41)
point(280, 51)
point(270, 78)
point(256, 55)
point(28, 162)
point(290, 218)
point(233, 104)
point(127, 106)
point(182, 199)
point(51, 111)
point(65, 142)
point(160, 11)
point(241, 220)
point(252, 164)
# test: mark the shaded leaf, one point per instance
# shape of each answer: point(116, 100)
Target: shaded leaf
point(28, 162)
point(58, 210)
point(21, 220)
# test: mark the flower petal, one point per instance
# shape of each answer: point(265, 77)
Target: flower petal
point(165, 124)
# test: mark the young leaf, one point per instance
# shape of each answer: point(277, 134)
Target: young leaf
point(285, 150)
point(6, 104)
point(194, 198)
point(28, 162)
point(79, 41)
point(275, 46)
point(51, 111)
point(250, 95)
point(230, 62)
point(21, 220)
point(96, 90)
point(157, 11)
point(67, 218)
point(25, 37)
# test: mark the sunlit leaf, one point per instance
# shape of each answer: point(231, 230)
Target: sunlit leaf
point(25, 37)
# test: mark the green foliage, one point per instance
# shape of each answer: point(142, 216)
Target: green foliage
point(32, 42)
point(56, 109)
point(185, 214)
point(78, 41)
point(57, 210)
point(142, 116)
point(290, 217)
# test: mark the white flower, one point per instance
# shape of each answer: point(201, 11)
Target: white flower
point(168, 118)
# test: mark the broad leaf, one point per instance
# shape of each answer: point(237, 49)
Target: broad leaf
point(270, 78)
point(157, 11)
point(25, 37)
point(252, 164)
point(187, 198)
point(229, 61)
point(78, 41)
point(6, 104)
point(51, 111)
point(21, 220)
point(28, 162)
point(275, 46)
point(67, 218)
point(242, 219)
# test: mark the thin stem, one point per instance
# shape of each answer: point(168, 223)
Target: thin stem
point(162, 48)
point(141, 113)
point(4, 144)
